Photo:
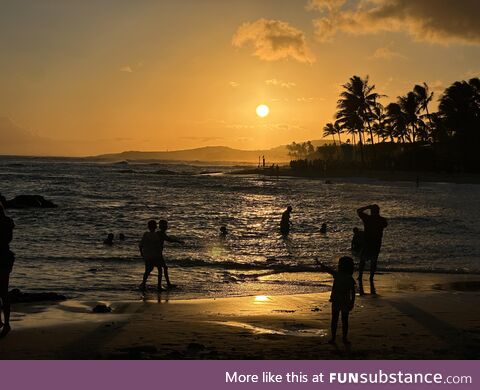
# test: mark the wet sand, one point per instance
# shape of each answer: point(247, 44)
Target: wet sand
point(415, 316)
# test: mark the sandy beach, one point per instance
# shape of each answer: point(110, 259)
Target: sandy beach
point(415, 316)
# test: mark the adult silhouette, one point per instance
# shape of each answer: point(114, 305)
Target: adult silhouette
point(374, 224)
point(7, 259)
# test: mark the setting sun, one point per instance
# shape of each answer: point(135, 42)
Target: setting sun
point(263, 110)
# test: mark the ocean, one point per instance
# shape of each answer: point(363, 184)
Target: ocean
point(433, 228)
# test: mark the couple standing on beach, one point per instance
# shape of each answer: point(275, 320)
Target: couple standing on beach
point(151, 249)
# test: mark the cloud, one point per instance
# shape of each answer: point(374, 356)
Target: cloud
point(387, 53)
point(234, 84)
point(433, 21)
point(274, 40)
point(126, 69)
point(280, 83)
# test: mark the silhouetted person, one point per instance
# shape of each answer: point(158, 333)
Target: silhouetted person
point(285, 221)
point(121, 237)
point(223, 232)
point(373, 232)
point(342, 296)
point(109, 240)
point(151, 250)
point(323, 229)
point(7, 258)
point(162, 232)
point(263, 161)
point(358, 241)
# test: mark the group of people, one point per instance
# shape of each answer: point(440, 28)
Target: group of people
point(365, 246)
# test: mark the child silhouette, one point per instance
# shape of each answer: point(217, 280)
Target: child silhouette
point(342, 296)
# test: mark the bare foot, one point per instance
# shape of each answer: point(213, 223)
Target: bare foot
point(5, 330)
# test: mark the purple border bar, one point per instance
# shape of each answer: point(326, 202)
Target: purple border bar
point(128, 375)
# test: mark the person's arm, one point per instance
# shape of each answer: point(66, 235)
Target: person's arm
point(172, 239)
point(352, 295)
point(141, 244)
point(361, 210)
point(325, 268)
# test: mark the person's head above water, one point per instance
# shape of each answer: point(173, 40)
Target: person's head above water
point(223, 230)
point(345, 265)
point(163, 225)
point(110, 236)
point(375, 209)
point(355, 230)
point(152, 225)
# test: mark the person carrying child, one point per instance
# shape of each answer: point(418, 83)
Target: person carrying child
point(342, 295)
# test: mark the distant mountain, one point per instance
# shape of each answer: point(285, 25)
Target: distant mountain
point(207, 154)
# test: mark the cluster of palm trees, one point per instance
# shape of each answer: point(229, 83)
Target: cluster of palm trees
point(407, 120)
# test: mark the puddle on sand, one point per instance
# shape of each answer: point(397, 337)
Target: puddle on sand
point(304, 332)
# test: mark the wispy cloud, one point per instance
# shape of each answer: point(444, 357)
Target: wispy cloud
point(274, 40)
point(234, 84)
point(280, 83)
point(126, 69)
point(387, 53)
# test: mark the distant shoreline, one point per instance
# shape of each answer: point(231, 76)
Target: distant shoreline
point(382, 175)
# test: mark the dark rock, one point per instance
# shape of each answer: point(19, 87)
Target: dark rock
point(16, 296)
point(101, 308)
point(27, 201)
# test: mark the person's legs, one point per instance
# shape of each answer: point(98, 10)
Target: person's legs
point(361, 267)
point(334, 324)
point(345, 315)
point(167, 278)
point(148, 270)
point(373, 269)
point(5, 308)
point(159, 283)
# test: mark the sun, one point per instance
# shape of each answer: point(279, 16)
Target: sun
point(263, 110)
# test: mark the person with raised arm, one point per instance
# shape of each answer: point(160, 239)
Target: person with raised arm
point(374, 224)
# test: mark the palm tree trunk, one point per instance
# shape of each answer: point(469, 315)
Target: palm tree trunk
point(362, 157)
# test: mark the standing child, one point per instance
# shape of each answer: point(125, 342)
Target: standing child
point(342, 296)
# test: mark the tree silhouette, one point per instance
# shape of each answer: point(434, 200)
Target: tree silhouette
point(355, 108)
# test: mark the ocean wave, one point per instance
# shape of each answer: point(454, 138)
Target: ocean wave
point(271, 266)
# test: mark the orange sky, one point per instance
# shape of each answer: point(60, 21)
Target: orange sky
point(89, 77)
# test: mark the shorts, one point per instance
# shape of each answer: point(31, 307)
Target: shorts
point(371, 251)
point(152, 263)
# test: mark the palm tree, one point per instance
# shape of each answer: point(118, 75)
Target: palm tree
point(396, 122)
point(328, 130)
point(355, 107)
point(460, 109)
point(409, 105)
point(424, 97)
